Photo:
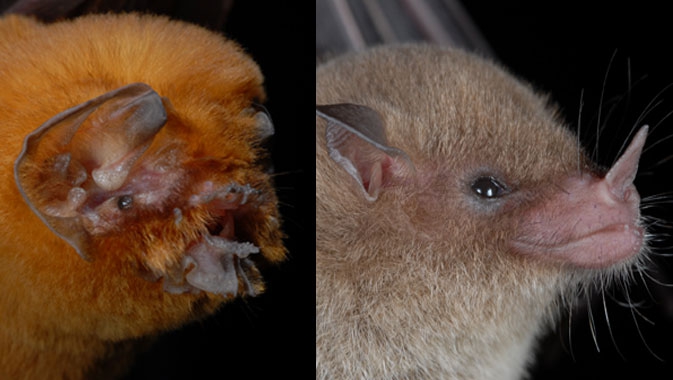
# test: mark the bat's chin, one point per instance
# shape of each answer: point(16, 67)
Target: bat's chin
point(216, 261)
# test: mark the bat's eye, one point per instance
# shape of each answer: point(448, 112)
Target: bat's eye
point(488, 187)
point(125, 202)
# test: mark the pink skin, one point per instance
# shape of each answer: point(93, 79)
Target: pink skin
point(590, 222)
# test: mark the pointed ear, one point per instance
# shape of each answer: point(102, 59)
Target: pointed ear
point(356, 139)
point(86, 150)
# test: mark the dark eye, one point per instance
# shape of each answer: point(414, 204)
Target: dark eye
point(125, 202)
point(488, 187)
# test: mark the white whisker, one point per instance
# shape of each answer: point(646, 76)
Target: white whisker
point(600, 104)
point(607, 320)
point(655, 280)
point(635, 311)
point(592, 327)
point(579, 133)
point(570, 335)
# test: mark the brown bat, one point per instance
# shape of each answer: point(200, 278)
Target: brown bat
point(132, 191)
point(455, 216)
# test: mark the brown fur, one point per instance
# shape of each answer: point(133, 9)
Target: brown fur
point(62, 316)
point(417, 284)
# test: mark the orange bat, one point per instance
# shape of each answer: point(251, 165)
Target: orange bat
point(131, 188)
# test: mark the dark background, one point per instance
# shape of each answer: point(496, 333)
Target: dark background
point(564, 48)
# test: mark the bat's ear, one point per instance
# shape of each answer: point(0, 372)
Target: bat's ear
point(356, 139)
point(79, 157)
point(263, 123)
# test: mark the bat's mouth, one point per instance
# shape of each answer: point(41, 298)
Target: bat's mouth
point(608, 245)
point(216, 261)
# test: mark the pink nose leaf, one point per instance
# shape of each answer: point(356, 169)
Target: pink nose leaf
point(585, 220)
point(623, 172)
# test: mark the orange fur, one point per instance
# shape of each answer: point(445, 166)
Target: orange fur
point(61, 315)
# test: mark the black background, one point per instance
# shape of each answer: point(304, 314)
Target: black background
point(620, 53)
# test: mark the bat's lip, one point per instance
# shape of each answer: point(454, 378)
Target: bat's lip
point(610, 244)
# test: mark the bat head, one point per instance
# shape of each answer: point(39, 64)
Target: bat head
point(125, 174)
point(454, 214)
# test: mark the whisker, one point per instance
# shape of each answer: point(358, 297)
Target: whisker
point(625, 304)
point(663, 161)
point(600, 104)
point(628, 81)
point(667, 196)
point(642, 277)
point(657, 142)
point(655, 280)
point(570, 335)
point(651, 106)
point(607, 320)
point(634, 310)
point(655, 98)
point(641, 315)
point(592, 327)
point(638, 123)
point(579, 133)
point(660, 254)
